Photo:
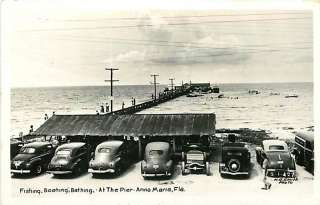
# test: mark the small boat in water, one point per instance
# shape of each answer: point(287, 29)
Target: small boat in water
point(221, 96)
point(274, 93)
point(292, 96)
point(194, 94)
point(254, 92)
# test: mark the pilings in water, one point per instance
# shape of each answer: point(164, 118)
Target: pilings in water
point(164, 97)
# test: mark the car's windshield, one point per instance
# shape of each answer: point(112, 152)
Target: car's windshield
point(155, 153)
point(64, 152)
point(104, 150)
point(276, 147)
point(27, 150)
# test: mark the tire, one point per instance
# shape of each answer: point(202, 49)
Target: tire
point(299, 160)
point(95, 175)
point(208, 169)
point(77, 171)
point(118, 170)
point(183, 172)
point(258, 158)
point(38, 169)
point(309, 166)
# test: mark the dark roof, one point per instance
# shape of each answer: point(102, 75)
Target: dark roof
point(128, 125)
point(309, 136)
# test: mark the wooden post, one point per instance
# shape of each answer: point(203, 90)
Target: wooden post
point(174, 144)
point(140, 148)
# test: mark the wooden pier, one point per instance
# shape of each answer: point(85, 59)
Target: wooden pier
point(163, 97)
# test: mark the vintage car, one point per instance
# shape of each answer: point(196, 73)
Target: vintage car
point(15, 146)
point(157, 160)
point(32, 158)
point(70, 158)
point(235, 159)
point(280, 161)
point(195, 160)
point(113, 156)
point(304, 150)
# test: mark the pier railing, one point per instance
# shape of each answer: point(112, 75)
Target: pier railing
point(163, 97)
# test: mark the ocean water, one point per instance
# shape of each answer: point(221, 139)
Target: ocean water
point(238, 109)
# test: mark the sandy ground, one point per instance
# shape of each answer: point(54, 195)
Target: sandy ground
point(192, 184)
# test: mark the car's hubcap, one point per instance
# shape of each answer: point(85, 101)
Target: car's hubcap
point(38, 169)
point(234, 165)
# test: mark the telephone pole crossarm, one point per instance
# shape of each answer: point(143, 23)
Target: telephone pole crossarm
point(111, 85)
point(155, 84)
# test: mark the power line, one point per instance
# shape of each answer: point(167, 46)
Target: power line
point(175, 17)
point(180, 44)
point(169, 24)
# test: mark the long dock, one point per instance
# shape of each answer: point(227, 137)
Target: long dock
point(163, 97)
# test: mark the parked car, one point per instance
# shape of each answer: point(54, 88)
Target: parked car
point(280, 161)
point(32, 158)
point(113, 156)
point(15, 146)
point(235, 159)
point(157, 160)
point(194, 160)
point(304, 150)
point(70, 158)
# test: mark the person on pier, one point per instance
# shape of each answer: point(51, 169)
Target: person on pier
point(122, 105)
point(102, 109)
point(107, 107)
point(31, 129)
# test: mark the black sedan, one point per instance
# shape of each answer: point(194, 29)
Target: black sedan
point(157, 160)
point(274, 156)
point(32, 158)
point(113, 156)
point(70, 158)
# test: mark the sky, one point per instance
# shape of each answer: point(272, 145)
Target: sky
point(54, 46)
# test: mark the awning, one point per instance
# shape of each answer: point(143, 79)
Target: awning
point(128, 125)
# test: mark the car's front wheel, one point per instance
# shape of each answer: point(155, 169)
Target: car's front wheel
point(77, 170)
point(38, 169)
point(183, 168)
point(207, 169)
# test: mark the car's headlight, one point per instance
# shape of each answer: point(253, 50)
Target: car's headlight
point(17, 163)
point(273, 163)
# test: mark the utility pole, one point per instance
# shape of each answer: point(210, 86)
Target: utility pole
point(171, 79)
point(155, 85)
point(111, 86)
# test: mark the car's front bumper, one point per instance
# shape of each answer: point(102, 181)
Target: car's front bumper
point(20, 171)
point(101, 171)
point(144, 174)
point(59, 172)
point(233, 173)
point(195, 166)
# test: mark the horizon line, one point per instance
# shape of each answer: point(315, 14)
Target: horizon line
point(101, 85)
